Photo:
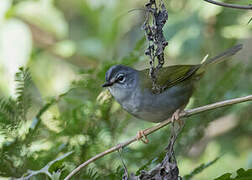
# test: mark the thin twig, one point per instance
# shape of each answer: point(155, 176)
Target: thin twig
point(235, 6)
point(150, 130)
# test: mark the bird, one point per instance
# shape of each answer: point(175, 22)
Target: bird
point(132, 88)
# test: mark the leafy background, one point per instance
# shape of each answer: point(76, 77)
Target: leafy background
point(51, 108)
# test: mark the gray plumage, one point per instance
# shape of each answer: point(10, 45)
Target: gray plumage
point(132, 88)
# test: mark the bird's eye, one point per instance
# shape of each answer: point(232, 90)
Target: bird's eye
point(121, 78)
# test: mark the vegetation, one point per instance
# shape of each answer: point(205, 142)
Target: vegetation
point(51, 118)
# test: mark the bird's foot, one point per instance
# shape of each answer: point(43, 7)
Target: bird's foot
point(175, 117)
point(141, 136)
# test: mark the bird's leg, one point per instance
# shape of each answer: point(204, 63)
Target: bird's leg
point(175, 117)
point(141, 136)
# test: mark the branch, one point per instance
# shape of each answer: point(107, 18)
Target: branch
point(52, 165)
point(235, 6)
point(150, 130)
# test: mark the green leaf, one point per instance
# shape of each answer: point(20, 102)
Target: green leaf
point(23, 79)
point(8, 114)
point(12, 111)
point(241, 175)
point(56, 175)
point(91, 174)
point(224, 177)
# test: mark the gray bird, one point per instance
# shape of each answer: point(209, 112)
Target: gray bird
point(133, 89)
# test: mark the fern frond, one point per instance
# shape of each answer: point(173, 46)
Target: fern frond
point(8, 113)
point(91, 174)
point(23, 79)
point(13, 111)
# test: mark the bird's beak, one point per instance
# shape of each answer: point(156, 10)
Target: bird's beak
point(106, 84)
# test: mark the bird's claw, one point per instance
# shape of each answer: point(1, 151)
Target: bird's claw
point(141, 136)
point(175, 117)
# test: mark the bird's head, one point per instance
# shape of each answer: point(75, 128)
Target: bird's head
point(121, 80)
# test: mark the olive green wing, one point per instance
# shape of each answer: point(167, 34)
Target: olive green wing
point(170, 76)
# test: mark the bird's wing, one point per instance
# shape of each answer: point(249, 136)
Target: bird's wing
point(170, 76)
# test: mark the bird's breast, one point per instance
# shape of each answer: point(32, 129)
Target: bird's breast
point(129, 99)
point(159, 107)
point(147, 106)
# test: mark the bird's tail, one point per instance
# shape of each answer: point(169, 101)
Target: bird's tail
point(219, 58)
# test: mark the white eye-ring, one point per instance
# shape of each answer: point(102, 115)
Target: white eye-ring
point(121, 78)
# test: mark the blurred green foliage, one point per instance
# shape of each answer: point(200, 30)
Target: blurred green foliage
point(200, 169)
point(69, 45)
point(241, 175)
